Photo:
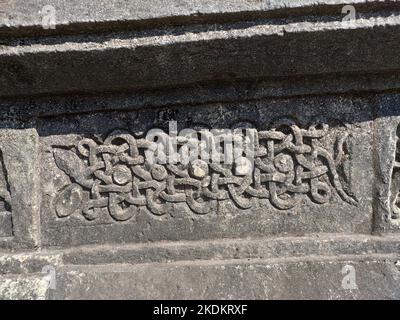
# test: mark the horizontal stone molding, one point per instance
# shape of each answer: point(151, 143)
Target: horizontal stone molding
point(26, 18)
point(190, 57)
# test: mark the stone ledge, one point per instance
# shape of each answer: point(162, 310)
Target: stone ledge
point(306, 247)
point(28, 262)
point(376, 277)
point(24, 287)
point(24, 18)
point(187, 57)
point(264, 248)
point(280, 268)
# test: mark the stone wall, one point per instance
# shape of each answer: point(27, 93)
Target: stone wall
point(84, 214)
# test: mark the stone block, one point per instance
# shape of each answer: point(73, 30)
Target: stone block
point(200, 149)
point(309, 159)
point(19, 193)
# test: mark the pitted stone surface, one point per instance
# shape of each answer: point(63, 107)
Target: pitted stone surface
point(307, 165)
point(308, 209)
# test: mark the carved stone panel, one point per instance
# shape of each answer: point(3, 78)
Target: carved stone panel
point(301, 177)
point(5, 202)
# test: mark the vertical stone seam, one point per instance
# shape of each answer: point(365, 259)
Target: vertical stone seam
point(37, 195)
point(376, 223)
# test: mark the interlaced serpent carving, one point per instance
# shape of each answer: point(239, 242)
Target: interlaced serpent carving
point(290, 163)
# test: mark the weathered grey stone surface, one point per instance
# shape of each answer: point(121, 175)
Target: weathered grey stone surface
point(250, 213)
point(20, 165)
point(84, 215)
point(24, 287)
point(234, 279)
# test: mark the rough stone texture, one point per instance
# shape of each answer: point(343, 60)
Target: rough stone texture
point(19, 155)
point(250, 213)
point(26, 17)
point(234, 279)
point(84, 216)
point(26, 287)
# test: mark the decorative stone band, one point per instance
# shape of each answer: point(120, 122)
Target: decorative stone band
point(395, 181)
point(290, 163)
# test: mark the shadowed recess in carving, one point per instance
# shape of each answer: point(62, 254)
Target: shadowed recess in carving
point(395, 181)
point(6, 229)
point(290, 164)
